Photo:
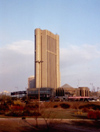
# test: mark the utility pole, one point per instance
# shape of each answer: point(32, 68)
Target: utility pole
point(39, 62)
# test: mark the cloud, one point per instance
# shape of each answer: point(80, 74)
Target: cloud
point(78, 65)
point(74, 55)
point(17, 64)
point(80, 62)
point(22, 47)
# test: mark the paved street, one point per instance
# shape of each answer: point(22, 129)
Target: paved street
point(19, 125)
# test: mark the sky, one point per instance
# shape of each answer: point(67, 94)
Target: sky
point(77, 22)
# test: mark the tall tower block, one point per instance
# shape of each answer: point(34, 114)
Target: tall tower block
point(47, 73)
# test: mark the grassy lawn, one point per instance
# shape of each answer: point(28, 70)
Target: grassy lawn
point(59, 113)
point(64, 114)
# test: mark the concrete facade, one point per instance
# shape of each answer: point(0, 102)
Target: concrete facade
point(84, 91)
point(47, 73)
point(81, 91)
point(31, 82)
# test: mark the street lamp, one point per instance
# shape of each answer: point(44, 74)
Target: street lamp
point(39, 81)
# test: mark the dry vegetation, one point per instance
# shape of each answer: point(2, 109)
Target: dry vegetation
point(48, 112)
point(67, 110)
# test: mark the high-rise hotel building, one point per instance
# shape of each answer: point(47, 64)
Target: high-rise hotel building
point(47, 73)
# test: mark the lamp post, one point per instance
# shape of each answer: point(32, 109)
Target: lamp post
point(39, 62)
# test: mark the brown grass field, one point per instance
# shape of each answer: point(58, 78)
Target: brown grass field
point(55, 116)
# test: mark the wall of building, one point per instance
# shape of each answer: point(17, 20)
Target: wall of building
point(84, 91)
point(81, 91)
point(47, 73)
point(31, 82)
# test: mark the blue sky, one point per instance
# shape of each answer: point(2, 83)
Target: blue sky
point(77, 22)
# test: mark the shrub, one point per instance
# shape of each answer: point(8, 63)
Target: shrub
point(90, 106)
point(65, 106)
point(26, 113)
point(17, 102)
point(94, 115)
point(22, 113)
point(4, 107)
point(2, 112)
point(17, 108)
point(31, 106)
point(13, 113)
point(85, 110)
point(55, 106)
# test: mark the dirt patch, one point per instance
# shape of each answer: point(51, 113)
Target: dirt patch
point(29, 125)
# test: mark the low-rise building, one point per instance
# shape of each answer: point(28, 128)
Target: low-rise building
point(70, 91)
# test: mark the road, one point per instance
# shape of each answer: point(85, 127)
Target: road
point(64, 125)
